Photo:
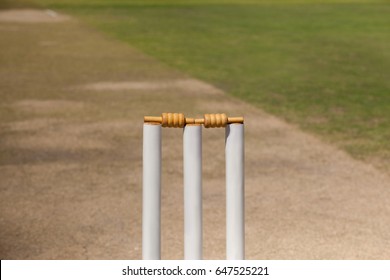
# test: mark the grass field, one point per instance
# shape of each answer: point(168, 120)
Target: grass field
point(323, 65)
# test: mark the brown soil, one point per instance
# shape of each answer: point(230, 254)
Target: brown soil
point(31, 16)
point(47, 106)
point(184, 85)
point(71, 162)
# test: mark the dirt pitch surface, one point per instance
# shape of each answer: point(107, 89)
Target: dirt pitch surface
point(72, 107)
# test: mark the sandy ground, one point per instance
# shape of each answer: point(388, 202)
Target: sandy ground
point(71, 160)
point(31, 16)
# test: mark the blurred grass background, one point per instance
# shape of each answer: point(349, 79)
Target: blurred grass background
point(323, 65)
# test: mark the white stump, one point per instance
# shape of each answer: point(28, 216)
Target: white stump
point(235, 227)
point(192, 153)
point(151, 201)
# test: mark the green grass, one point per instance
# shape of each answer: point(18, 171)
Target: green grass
point(324, 65)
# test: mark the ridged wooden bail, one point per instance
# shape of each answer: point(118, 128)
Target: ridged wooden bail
point(179, 120)
point(215, 120)
point(207, 120)
point(173, 120)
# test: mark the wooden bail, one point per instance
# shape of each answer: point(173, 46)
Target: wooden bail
point(179, 120)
